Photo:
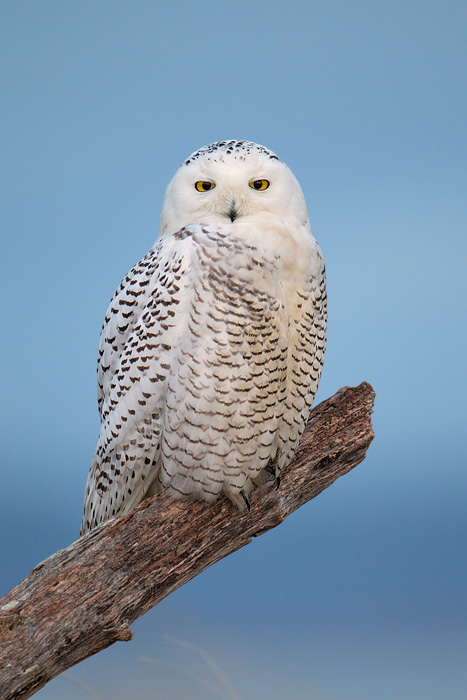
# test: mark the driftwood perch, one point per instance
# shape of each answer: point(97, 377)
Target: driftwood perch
point(84, 598)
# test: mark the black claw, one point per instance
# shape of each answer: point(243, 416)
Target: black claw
point(245, 498)
point(271, 469)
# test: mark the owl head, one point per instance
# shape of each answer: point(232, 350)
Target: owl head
point(231, 182)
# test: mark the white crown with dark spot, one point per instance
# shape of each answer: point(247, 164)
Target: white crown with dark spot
point(237, 148)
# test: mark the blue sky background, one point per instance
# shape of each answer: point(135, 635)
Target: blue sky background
point(362, 593)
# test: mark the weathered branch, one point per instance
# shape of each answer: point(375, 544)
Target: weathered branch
point(83, 598)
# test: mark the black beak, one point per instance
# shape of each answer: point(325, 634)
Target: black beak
point(233, 213)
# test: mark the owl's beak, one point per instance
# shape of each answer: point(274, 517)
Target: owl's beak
point(233, 213)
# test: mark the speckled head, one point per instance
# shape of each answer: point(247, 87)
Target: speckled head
point(229, 182)
point(239, 149)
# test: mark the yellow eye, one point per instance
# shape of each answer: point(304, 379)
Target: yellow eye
point(259, 184)
point(204, 186)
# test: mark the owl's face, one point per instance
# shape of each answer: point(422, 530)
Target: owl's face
point(232, 182)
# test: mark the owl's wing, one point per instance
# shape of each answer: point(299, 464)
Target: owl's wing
point(123, 314)
point(141, 329)
point(307, 345)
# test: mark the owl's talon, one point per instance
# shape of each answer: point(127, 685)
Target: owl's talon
point(245, 498)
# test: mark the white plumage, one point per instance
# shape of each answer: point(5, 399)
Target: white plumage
point(212, 347)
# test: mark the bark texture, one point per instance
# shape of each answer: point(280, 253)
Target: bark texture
point(84, 598)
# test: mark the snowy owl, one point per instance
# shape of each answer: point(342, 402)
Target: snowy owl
point(212, 348)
